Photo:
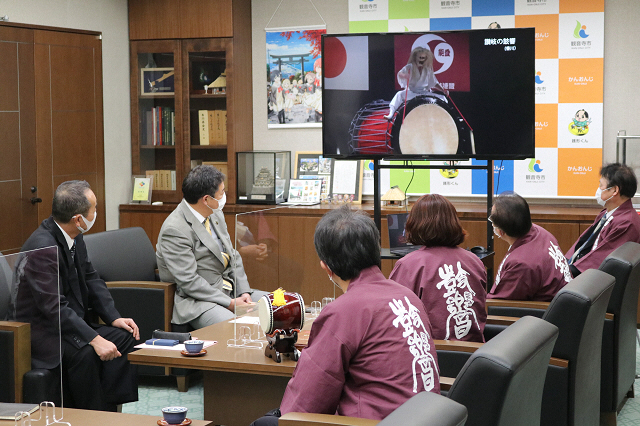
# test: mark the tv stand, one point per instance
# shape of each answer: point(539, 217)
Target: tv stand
point(377, 210)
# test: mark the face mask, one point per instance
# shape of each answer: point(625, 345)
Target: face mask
point(496, 232)
point(221, 202)
point(599, 199)
point(88, 222)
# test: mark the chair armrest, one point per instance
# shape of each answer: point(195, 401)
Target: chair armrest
point(528, 304)
point(169, 293)
point(21, 352)
point(501, 320)
point(312, 419)
point(446, 383)
point(470, 347)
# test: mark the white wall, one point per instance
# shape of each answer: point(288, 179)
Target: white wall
point(621, 75)
point(110, 17)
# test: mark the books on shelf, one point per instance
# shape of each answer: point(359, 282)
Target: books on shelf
point(163, 180)
point(159, 127)
point(212, 126)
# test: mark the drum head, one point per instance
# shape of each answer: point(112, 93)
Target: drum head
point(428, 129)
point(265, 314)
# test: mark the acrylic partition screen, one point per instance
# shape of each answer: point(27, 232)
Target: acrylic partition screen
point(273, 254)
point(29, 293)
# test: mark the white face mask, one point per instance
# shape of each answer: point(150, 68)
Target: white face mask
point(221, 202)
point(87, 222)
point(496, 232)
point(599, 196)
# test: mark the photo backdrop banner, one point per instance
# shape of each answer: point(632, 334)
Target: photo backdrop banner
point(568, 88)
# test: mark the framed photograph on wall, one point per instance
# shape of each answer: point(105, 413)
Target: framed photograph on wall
point(312, 165)
point(156, 81)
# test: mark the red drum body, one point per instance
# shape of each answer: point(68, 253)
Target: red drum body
point(370, 131)
point(287, 317)
point(430, 124)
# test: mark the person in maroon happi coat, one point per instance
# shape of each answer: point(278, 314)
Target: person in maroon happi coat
point(449, 280)
point(534, 267)
point(616, 224)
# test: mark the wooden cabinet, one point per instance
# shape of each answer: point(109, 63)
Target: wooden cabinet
point(292, 262)
point(172, 99)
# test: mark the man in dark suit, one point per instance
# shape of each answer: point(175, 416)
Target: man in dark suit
point(96, 373)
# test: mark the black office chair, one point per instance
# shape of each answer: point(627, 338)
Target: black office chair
point(619, 334)
point(126, 260)
point(572, 391)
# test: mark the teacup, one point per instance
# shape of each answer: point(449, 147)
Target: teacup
point(174, 415)
point(193, 346)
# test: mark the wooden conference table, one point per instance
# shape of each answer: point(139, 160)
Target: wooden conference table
point(92, 418)
point(240, 384)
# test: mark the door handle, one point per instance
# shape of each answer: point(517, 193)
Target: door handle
point(35, 200)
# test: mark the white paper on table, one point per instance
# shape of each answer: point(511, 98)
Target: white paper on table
point(246, 320)
point(345, 175)
point(179, 347)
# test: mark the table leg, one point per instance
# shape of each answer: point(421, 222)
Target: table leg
point(237, 399)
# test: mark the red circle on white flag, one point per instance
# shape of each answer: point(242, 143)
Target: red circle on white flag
point(334, 49)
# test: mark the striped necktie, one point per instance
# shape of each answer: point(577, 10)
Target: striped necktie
point(207, 225)
point(73, 251)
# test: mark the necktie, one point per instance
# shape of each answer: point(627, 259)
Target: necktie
point(73, 250)
point(207, 225)
point(589, 243)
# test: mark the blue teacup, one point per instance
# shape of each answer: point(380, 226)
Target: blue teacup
point(193, 346)
point(174, 415)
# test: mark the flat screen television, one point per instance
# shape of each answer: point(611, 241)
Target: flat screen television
point(470, 95)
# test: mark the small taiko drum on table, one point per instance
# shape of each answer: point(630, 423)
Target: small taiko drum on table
point(281, 317)
point(370, 131)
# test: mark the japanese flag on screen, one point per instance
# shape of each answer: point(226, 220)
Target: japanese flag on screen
point(346, 63)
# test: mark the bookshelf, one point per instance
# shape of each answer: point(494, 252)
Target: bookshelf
point(168, 81)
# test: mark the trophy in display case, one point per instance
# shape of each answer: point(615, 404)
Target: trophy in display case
point(263, 176)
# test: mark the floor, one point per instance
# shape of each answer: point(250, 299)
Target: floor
point(158, 392)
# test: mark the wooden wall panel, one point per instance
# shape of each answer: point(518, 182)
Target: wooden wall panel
point(10, 145)
point(205, 18)
point(565, 233)
point(73, 87)
point(154, 19)
point(73, 140)
point(11, 238)
point(43, 130)
point(9, 77)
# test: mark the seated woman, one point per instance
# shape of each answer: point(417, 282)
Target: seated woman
point(371, 349)
point(450, 280)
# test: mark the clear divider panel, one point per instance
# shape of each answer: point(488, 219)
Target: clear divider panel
point(255, 236)
point(277, 252)
point(34, 298)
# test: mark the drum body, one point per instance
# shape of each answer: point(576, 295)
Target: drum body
point(287, 317)
point(370, 131)
point(431, 125)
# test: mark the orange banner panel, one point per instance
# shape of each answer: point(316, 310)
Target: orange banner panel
point(546, 33)
point(582, 6)
point(578, 171)
point(581, 80)
point(546, 126)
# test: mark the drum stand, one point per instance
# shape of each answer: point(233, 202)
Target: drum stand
point(282, 342)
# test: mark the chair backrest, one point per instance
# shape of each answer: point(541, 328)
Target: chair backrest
point(619, 349)
point(5, 287)
point(122, 255)
point(501, 383)
point(578, 311)
point(427, 409)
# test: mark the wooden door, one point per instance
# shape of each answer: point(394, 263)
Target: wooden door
point(68, 112)
point(17, 138)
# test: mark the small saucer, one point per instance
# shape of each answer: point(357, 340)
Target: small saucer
point(202, 352)
point(185, 422)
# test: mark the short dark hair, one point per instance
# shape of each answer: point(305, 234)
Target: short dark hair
point(347, 241)
point(621, 176)
point(69, 200)
point(433, 222)
point(200, 181)
point(511, 214)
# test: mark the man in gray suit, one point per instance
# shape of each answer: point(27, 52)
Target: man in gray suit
point(195, 251)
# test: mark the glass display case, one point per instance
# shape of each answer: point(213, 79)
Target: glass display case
point(263, 176)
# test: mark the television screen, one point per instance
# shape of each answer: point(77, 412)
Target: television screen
point(447, 95)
